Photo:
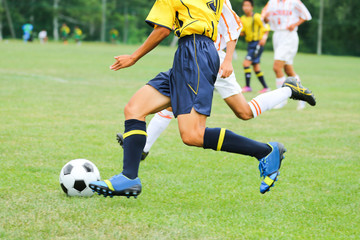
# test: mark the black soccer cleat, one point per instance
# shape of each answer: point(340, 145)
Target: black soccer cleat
point(298, 92)
point(120, 139)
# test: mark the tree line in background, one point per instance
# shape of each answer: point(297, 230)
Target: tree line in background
point(340, 26)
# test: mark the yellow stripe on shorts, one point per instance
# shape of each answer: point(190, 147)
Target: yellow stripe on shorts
point(138, 132)
point(110, 186)
point(221, 139)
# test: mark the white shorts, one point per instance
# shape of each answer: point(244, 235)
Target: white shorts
point(286, 45)
point(226, 86)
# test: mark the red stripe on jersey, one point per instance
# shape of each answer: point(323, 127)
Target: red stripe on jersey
point(227, 26)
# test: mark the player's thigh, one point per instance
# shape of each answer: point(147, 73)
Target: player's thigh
point(145, 101)
point(192, 128)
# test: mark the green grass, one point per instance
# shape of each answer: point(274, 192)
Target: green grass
point(62, 102)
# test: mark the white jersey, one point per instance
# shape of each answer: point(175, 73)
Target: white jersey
point(229, 27)
point(283, 13)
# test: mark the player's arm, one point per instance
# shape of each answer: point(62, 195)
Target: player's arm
point(263, 28)
point(230, 27)
point(304, 15)
point(294, 25)
point(266, 30)
point(265, 13)
point(226, 67)
point(263, 40)
point(156, 36)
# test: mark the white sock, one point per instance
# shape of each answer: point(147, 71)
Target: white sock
point(157, 125)
point(280, 81)
point(269, 100)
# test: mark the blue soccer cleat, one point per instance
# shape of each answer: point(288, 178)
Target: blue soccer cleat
point(269, 166)
point(118, 185)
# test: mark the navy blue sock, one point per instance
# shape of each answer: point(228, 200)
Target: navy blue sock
point(134, 143)
point(221, 139)
point(247, 71)
point(261, 78)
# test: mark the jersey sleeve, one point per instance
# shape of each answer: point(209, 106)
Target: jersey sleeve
point(302, 11)
point(161, 14)
point(230, 23)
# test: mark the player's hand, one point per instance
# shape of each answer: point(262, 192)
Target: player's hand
point(262, 42)
point(226, 69)
point(123, 61)
point(291, 27)
point(266, 17)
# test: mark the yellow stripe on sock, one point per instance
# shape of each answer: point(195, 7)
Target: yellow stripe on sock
point(221, 139)
point(110, 186)
point(247, 70)
point(268, 181)
point(260, 74)
point(139, 132)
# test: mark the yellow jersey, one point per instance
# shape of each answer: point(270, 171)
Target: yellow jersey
point(253, 27)
point(187, 17)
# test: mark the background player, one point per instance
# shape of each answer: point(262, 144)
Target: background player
point(64, 30)
point(78, 35)
point(256, 34)
point(188, 87)
point(284, 18)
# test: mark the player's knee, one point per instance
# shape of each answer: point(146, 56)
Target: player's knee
point(244, 115)
point(191, 138)
point(131, 111)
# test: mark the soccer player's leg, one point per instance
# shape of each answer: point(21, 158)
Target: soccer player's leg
point(120, 140)
point(260, 76)
point(269, 155)
point(247, 70)
point(194, 133)
point(230, 91)
point(157, 125)
point(146, 101)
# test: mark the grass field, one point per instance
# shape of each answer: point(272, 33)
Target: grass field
point(62, 102)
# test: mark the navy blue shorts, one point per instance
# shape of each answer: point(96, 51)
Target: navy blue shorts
point(251, 52)
point(190, 81)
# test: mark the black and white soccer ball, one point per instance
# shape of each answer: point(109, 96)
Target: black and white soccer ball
point(76, 175)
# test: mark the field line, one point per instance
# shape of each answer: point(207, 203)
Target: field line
point(47, 77)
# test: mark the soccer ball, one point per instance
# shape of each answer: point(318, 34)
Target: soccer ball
point(76, 175)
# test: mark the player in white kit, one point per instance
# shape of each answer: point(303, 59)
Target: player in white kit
point(229, 29)
point(284, 17)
